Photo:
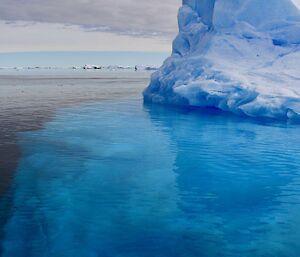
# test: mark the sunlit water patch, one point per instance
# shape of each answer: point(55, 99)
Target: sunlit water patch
point(120, 179)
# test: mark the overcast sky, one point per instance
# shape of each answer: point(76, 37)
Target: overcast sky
point(94, 25)
point(123, 25)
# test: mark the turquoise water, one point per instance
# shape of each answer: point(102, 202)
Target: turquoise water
point(120, 179)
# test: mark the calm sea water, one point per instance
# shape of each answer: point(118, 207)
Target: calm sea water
point(123, 179)
point(29, 98)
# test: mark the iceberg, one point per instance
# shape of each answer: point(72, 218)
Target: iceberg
point(241, 56)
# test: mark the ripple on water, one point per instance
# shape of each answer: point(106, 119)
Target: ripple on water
point(122, 179)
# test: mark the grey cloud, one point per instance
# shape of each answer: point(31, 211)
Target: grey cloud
point(131, 17)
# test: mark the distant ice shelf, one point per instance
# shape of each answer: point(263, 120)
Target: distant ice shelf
point(87, 67)
point(241, 56)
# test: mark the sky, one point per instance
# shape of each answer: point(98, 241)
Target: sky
point(94, 25)
point(140, 26)
point(68, 59)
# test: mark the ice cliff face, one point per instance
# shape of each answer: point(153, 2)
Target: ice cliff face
point(241, 56)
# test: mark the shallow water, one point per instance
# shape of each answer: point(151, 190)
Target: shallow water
point(123, 179)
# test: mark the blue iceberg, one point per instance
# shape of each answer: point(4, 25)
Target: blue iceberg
point(241, 56)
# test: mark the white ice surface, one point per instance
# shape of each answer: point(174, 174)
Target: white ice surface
point(241, 56)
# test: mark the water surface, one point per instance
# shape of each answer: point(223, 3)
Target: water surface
point(28, 98)
point(123, 179)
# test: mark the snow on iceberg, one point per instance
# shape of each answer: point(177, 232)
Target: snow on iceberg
point(241, 56)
